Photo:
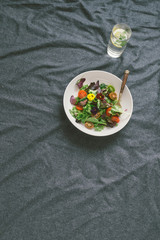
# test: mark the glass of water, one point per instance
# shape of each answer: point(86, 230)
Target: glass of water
point(119, 38)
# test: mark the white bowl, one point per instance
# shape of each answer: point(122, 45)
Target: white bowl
point(109, 79)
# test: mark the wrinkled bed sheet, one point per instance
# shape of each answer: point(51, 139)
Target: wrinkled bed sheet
point(55, 181)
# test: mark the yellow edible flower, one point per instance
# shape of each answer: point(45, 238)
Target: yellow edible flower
point(91, 96)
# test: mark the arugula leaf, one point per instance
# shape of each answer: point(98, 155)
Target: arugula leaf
point(103, 122)
point(98, 103)
point(108, 100)
point(87, 108)
point(114, 101)
point(103, 85)
point(110, 88)
point(82, 116)
point(84, 87)
point(99, 127)
point(82, 99)
point(93, 91)
point(74, 112)
point(95, 120)
point(116, 109)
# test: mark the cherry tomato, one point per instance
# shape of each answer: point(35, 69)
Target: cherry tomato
point(82, 94)
point(113, 95)
point(80, 108)
point(89, 125)
point(115, 119)
point(107, 111)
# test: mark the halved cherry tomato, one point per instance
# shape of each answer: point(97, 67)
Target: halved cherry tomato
point(107, 111)
point(89, 125)
point(82, 94)
point(115, 119)
point(80, 108)
point(113, 95)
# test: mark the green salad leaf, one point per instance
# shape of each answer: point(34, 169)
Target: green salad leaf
point(98, 103)
point(87, 108)
point(116, 109)
point(99, 127)
point(84, 87)
point(110, 88)
point(93, 91)
point(103, 85)
point(97, 121)
point(92, 119)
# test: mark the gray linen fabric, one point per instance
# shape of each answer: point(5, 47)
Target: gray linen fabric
point(57, 183)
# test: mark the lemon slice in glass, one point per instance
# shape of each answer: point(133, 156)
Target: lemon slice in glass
point(116, 40)
point(117, 34)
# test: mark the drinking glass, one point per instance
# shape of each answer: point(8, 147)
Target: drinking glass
point(119, 38)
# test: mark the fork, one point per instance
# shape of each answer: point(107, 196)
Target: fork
point(126, 73)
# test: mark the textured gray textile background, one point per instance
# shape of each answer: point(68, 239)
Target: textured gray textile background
point(56, 183)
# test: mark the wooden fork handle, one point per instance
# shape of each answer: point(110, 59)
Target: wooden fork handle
point(126, 73)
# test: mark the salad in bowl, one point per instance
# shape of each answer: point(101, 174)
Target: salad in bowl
point(96, 105)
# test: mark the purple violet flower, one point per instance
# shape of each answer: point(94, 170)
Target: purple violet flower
point(94, 110)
